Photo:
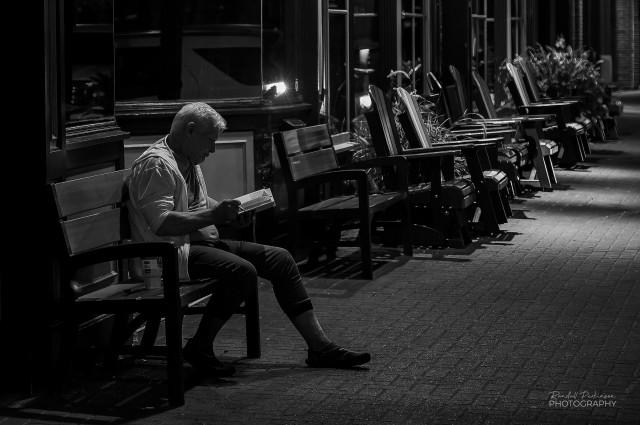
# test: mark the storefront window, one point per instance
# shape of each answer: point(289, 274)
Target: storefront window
point(518, 36)
point(88, 67)
point(188, 50)
point(412, 42)
point(482, 34)
point(335, 76)
point(366, 51)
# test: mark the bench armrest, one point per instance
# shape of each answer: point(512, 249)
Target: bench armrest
point(168, 251)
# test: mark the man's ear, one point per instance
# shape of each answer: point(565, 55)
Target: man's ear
point(190, 128)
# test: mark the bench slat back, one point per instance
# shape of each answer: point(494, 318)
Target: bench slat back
point(521, 95)
point(461, 89)
point(382, 123)
point(92, 210)
point(309, 151)
point(442, 103)
point(96, 230)
point(485, 104)
point(418, 126)
point(529, 78)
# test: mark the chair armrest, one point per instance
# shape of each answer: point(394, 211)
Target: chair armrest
point(379, 161)
point(531, 118)
point(416, 154)
point(554, 109)
point(123, 251)
point(473, 140)
point(390, 161)
point(485, 131)
point(357, 174)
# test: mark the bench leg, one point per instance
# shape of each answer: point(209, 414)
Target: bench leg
point(498, 206)
point(406, 229)
point(252, 325)
point(173, 329)
point(365, 245)
point(118, 337)
point(150, 334)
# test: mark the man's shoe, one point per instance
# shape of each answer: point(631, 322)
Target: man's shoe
point(336, 357)
point(204, 361)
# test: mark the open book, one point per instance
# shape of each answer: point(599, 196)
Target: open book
point(257, 201)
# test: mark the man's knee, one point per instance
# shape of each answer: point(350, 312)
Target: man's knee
point(246, 276)
point(282, 262)
point(282, 255)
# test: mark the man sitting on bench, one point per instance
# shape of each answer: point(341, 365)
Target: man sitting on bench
point(169, 202)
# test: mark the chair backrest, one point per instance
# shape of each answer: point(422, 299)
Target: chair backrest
point(92, 211)
point(306, 151)
point(416, 130)
point(434, 84)
point(517, 88)
point(529, 78)
point(382, 124)
point(483, 97)
point(443, 104)
point(461, 89)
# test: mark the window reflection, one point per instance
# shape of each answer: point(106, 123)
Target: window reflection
point(482, 16)
point(338, 83)
point(194, 49)
point(335, 68)
point(412, 42)
point(88, 70)
point(366, 43)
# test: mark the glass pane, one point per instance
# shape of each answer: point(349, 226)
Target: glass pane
point(202, 50)
point(490, 56)
point(477, 7)
point(416, 75)
point(364, 6)
point(88, 68)
point(412, 50)
point(338, 4)
point(365, 61)
point(337, 103)
point(273, 48)
point(515, 38)
point(407, 6)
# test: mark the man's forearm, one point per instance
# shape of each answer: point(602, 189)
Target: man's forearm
point(183, 223)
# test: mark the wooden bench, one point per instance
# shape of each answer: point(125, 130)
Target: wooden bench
point(94, 229)
point(309, 162)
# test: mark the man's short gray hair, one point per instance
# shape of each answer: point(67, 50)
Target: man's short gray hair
point(200, 113)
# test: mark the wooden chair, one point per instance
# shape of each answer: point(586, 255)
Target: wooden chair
point(94, 229)
point(479, 153)
point(542, 174)
point(513, 156)
point(466, 105)
point(565, 131)
point(464, 123)
point(574, 102)
point(309, 162)
point(440, 210)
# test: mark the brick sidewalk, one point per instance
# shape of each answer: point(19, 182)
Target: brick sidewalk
point(480, 335)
